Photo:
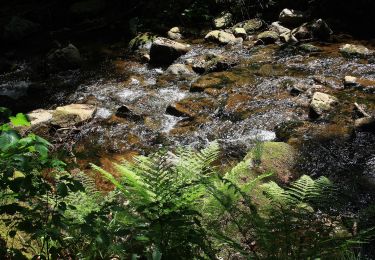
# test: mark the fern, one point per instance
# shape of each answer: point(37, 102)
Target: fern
point(162, 194)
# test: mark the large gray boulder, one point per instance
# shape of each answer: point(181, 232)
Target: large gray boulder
point(64, 58)
point(164, 51)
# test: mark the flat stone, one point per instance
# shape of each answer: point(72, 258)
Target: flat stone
point(220, 37)
point(40, 116)
point(70, 115)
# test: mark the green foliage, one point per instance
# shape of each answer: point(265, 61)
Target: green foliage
point(162, 195)
point(31, 203)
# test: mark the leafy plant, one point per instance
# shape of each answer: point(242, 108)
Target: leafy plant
point(161, 196)
point(33, 188)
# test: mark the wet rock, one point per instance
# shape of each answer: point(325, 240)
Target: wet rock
point(321, 103)
point(363, 84)
point(277, 27)
point(220, 37)
point(175, 33)
point(352, 50)
point(165, 51)
point(213, 63)
point(291, 18)
point(267, 37)
point(365, 124)
point(276, 157)
point(142, 41)
point(350, 81)
point(288, 37)
point(286, 130)
point(126, 112)
point(205, 82)
point(64, 58)
point(237, 106)
point(240, 32)
point(223, 20)
point(40, 117)
point(191, 107)
point(19, 28)
point(70, 115)
point(317, 30)
point(306, 47)
point(179, 70)
point(250, 26)
point(302, 32)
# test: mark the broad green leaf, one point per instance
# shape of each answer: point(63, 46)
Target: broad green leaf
point(19, 120)
point(8, 139)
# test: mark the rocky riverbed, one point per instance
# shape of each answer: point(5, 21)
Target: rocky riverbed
point(306, 92)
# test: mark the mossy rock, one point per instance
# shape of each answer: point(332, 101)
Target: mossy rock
point(250, 26)
point(141, 41)
point(275, 157)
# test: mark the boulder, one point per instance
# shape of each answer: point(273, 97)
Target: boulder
point(276, 157)
point(267, 37)
point(165, 51)
point(352, 50)
point(320, 30)
point(223, 20)
point(40, 117)
point(175, 33)
point(213, 63)
point(322, 103)
point(302, 33)
point(64, 58)
point(142, 41)
point(292, 18)
point(240, 32)
point(19, 28)
point(179, 70)
point(277, 27)
point(316, 30)
point(251, 25)
point(220, 37)
point(73, 114)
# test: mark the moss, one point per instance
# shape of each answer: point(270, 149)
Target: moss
point(141, 40)
point(276, 157)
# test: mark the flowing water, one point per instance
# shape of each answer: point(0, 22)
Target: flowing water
point(243, 105)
